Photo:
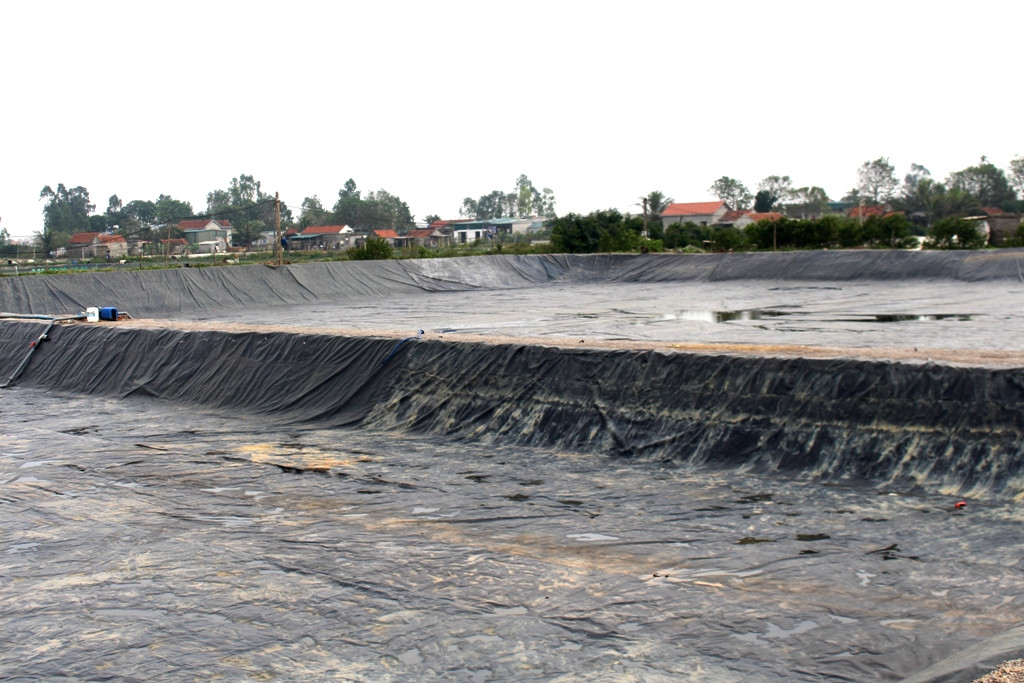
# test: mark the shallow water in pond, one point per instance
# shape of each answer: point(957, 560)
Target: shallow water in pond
point(955, 315)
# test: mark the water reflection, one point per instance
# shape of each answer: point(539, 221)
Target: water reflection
point(707, 316)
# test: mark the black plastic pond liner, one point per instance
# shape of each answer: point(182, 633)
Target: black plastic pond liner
point(954, 427)
point(192, 290)
point(492, 511)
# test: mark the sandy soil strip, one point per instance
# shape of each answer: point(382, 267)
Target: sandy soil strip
point(994, 358)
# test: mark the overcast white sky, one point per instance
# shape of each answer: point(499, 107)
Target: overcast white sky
point(602, 102)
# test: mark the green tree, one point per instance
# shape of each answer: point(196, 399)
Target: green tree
point(956, 233)
point(876, 180)
point(469, 208)
point(576, 234)
point(653, 205)
point(1017, 175)
point(493, 205)
point(115, 217)
point(245, 233)
point(621, 235)
point(383, 210)
point(170, 210)
point(546, 205)
point(244, 201)
point(728, 239)
point(348, 208)
point(764, 201)
point(375, 249)
point(376, 211)
point(431, 218)
point(772, 192)
point(533, 202)
point(888, 232)
point(955, 202)
point(525, 192)
point(809, 202)
point(65, 213)
point(732, 192)
point(688, 234)
point(920, 196)
point(524, 200)
point(313, 213)
point(986, 183)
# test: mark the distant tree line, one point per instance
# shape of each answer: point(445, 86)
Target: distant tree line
point(610, 231)
point(378, 210)
point(243, 202)
point(923, 198)
point(251, 211)
point(69, 211)
point(522, 201)
point(925, 202)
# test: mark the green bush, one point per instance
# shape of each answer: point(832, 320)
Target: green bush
point(729, 239)
point(956, 233)
point(688, 234)
point(375, 249)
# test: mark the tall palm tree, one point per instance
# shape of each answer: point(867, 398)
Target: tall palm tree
point(653, 205)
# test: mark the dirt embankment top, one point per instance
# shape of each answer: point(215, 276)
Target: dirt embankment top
point(975, 357)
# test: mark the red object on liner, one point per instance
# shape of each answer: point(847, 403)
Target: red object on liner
point(960, 505)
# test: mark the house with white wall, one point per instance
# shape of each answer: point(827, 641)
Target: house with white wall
point(207, 236)
point(701, 213)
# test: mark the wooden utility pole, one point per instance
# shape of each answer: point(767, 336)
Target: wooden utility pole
point(277, 227)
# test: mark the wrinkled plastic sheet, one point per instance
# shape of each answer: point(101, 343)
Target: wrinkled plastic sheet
point(368, 524)
point(192, 290)
point(152, 542)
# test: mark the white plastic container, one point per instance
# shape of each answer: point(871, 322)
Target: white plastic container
point(92, 314)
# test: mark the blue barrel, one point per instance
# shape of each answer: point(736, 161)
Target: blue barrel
point(108, 313)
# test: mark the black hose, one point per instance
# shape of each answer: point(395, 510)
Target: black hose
point(45, 336)
point(398, 345)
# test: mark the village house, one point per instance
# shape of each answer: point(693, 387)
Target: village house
point(474, 233)
point(751, 217)
point(700, 213)
point(111, 247)
point(333, 237)
point(429, 237)
point(176, 246)
point(97, 245)
point(393, 238)
point(207, 236)
point(729, 218)
point(80, 245)
point(865, 212)
point(998, 224)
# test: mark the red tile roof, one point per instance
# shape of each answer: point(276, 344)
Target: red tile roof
point(992, 211)
point(865, 211)
point(108, 239)
point(385, 234)
point(325, 230)
point(83, 238)
point(764, 216)
point(420, 232)
point(444, 223)
point(734, 215)
point(692, 209)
